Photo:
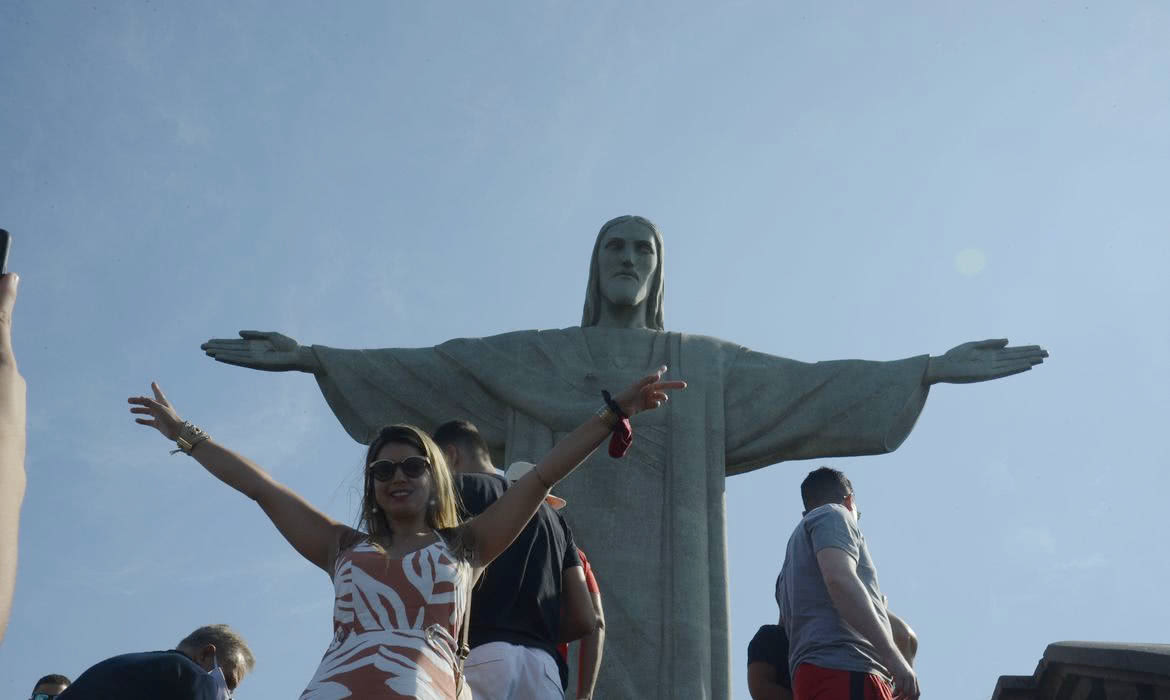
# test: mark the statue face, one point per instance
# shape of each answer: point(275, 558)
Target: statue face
point(626, 262)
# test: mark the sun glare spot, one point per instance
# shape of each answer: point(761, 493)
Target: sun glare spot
point(970, 262)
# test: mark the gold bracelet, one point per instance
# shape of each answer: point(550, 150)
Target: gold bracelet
point(190, 435)
point(607, 416)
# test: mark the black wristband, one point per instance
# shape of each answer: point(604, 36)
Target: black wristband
point(613, 405)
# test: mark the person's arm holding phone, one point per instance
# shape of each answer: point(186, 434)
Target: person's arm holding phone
point(12, 441)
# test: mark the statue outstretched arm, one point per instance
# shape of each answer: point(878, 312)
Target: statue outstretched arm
point(776, 409)
point(265, 350)
point(982, 360)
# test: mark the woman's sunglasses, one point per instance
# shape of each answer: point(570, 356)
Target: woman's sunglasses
point(412, 468)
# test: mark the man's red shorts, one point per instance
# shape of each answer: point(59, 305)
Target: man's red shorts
point(817, 683)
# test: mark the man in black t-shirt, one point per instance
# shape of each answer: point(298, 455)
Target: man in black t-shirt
point(768, 677)
point(207, 665)
point(532, 597)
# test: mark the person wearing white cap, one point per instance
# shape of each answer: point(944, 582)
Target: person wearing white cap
point(531, 597)
point(518, 469)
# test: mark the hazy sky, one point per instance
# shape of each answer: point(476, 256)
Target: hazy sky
point(833, 180)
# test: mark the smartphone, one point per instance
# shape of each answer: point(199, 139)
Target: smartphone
point(5, 240)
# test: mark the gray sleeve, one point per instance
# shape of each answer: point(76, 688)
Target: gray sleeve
point(777, 409)
point(831, 526)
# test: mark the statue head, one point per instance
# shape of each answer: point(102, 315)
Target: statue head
point(625, 272)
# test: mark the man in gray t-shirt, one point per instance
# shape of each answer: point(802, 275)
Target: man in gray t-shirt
point(838, 626)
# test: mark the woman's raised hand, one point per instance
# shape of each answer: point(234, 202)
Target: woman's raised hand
point(648, 393)
point(163, 416)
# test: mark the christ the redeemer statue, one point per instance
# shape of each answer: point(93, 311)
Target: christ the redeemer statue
point(652, 522)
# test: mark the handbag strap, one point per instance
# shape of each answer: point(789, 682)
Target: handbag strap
point(464, 650)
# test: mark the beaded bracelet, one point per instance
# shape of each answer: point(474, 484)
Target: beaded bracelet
point(619, 423)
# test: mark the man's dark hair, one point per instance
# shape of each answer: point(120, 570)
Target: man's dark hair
point(53, 679)
point(463, 435)
point(824, 485)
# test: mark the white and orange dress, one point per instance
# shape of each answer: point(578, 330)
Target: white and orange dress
point(395, 624)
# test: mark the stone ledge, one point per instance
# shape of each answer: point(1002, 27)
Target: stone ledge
point(1093, 671)
point(1138, 658)
point(1015, 688)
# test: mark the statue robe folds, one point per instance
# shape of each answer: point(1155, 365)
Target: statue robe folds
point(652, 523)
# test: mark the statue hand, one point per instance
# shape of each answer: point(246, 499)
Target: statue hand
point(266, 350)
point(648, 393)
point(983, 360)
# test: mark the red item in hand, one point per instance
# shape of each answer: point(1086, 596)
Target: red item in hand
point(623, 436)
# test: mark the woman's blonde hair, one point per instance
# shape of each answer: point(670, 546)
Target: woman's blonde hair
point(442, 507)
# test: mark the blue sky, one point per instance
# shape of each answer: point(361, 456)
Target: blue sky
point(833, 180)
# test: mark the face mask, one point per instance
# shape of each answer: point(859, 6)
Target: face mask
point(222, 692)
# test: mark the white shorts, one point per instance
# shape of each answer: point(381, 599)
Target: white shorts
point(503, 671)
